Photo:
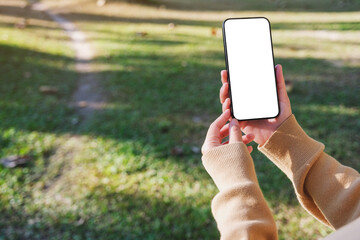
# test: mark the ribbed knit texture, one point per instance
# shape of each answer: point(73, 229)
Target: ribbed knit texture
point(324, 187)
point(239, 208)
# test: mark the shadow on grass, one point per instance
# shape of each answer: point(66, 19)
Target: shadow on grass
point(23, 105)
point(247, 5)
point(334, 26)
point(109, 214)
point(254, 5)
point(30, 27)
point(90, 17)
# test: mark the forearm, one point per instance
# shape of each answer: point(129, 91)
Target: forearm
point(240, 209)
point(242, 213)
point(327, 189)
point(335, 189)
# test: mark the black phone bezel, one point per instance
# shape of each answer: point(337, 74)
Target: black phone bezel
point(228, 72)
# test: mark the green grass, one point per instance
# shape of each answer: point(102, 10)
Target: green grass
point(116, 177)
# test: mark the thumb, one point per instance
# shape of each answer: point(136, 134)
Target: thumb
point(235, 134)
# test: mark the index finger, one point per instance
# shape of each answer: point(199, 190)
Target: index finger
point(280, 83)
point(224, 76)
point(214, 129)
point(214, 135)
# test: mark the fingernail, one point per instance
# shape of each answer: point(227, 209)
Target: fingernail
point(232, 123)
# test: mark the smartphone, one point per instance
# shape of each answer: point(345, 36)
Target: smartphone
point(251, 71)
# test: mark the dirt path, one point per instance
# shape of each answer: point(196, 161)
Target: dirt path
point(88, 96)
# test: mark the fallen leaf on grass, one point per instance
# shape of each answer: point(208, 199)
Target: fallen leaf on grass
point(14, 161)
point(141, 34)
point(48, 90)
point(177, 151)
point(171, 26)
point(82, 104)
point(22, 24)
point(213, 31)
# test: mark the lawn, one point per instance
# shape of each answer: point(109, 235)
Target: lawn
point(133, 171)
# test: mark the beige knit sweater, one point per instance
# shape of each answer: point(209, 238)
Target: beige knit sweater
point(324, 187)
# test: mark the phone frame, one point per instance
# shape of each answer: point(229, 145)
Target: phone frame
point(228, 71)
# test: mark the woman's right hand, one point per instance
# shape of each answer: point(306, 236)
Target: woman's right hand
point(264, 128)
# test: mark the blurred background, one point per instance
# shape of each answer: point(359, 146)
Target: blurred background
point(100, 137)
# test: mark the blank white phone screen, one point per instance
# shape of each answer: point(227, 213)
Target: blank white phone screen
point(251, 68)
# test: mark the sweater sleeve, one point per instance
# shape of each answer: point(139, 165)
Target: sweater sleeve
point(239, 208)
point(324, 187)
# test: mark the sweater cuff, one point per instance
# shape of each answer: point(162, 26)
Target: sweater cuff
point(292, 150)
point(229, 164)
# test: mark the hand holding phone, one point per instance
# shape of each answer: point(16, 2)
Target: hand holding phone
point(264, 128)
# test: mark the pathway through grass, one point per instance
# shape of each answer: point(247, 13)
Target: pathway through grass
point(88, 95)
